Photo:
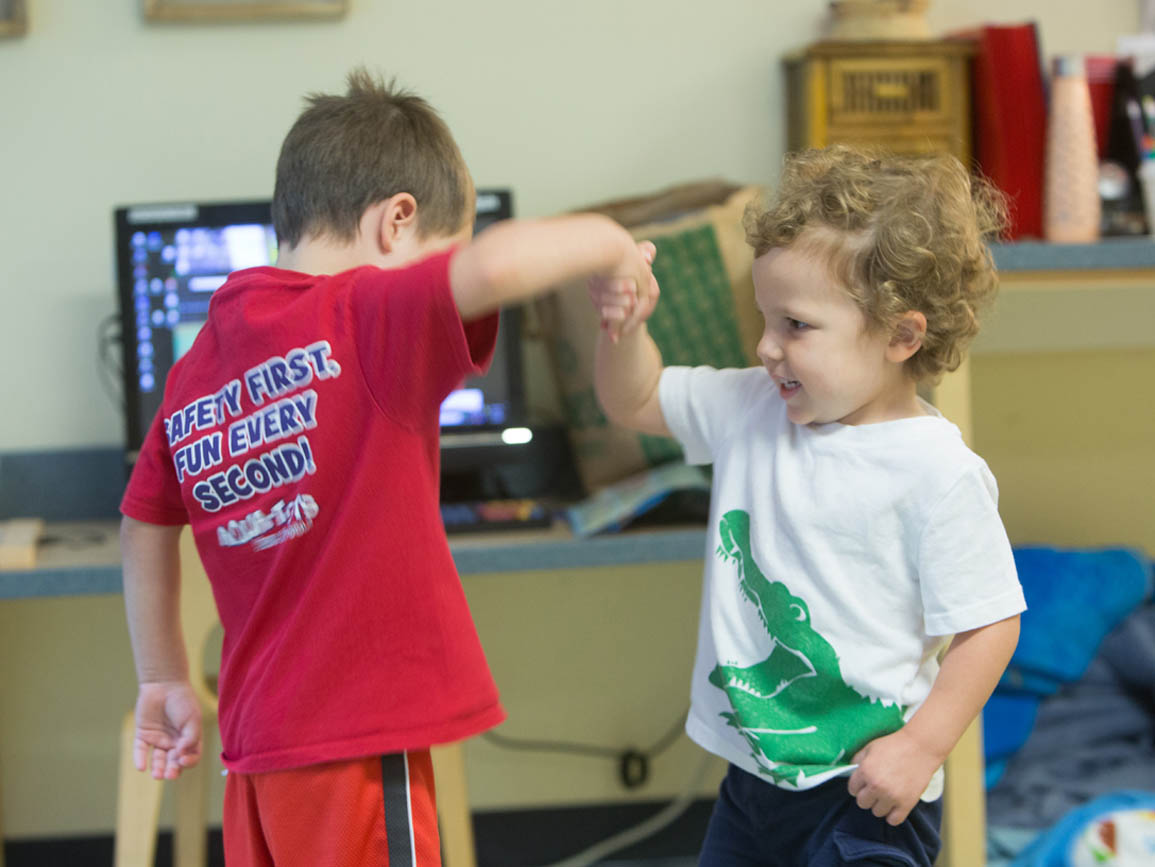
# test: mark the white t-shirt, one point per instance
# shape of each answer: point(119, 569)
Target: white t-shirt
point(840, 560)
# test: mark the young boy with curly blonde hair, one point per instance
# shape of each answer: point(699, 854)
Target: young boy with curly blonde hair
point(853, 536)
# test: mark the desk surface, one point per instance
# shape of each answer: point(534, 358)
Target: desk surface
point(84, 558)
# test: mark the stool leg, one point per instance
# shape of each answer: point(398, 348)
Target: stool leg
point(1, 833)
point(137, 806)
point(190, 844)
point(456, 824)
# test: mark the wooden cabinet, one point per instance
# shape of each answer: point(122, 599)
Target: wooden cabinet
point(902, 96)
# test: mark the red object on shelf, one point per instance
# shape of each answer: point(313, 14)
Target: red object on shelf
point(1101, 81)
point(1010, 119)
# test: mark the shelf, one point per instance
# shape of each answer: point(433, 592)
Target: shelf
point(1110, 253)
point(95, 568)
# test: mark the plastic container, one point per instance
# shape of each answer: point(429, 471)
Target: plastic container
point(1071, 206)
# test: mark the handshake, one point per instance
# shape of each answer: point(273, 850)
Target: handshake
point(626, 299)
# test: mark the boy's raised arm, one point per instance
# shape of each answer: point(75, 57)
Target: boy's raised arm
point(627, 369)
point(513, 261)
point(628, 364)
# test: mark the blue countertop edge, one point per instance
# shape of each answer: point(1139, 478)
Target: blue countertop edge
point(487, 557)
point(1119, 253)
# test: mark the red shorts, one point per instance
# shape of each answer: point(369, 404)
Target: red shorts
point(377, 811)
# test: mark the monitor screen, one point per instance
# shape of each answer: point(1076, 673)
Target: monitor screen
point(170, 258)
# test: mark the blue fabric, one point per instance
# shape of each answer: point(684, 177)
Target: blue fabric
point(1074, 599)
point(1051, 849)
point(1007, 721)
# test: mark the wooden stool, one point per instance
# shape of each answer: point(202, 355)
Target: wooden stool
point(455, 821)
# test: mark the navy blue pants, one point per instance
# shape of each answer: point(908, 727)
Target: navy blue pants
point(757, 824)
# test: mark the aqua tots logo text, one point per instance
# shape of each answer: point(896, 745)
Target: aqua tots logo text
point(284, 521)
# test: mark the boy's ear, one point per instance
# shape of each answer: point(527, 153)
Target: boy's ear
point(907, 336)
point(396, 220)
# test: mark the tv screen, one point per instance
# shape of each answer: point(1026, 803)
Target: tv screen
point(170, 258)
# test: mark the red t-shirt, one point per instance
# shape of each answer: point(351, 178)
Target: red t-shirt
point(299, 438)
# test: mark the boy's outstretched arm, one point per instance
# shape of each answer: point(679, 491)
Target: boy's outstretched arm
point(513, 261)
point(627, 369)
point(627, 363)
point(168, 714)
point(894, 770)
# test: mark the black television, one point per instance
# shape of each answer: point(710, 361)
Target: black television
point(170, 258)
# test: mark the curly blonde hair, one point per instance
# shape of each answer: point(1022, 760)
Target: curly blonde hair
point(901, 232)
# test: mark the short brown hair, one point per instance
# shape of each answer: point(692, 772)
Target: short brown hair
point(902, 233)
point(348, 152)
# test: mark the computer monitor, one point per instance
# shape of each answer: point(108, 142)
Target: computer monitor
point(170, 258)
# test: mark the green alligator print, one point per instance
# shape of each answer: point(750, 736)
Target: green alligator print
point(794, 709)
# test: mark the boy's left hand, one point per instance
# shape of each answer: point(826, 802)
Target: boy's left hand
point(893, 772)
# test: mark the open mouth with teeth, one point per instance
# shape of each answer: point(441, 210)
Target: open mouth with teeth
point(789, 387)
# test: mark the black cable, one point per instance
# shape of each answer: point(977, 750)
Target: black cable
point(107, 334)
point(667, 740)
point(531, 745)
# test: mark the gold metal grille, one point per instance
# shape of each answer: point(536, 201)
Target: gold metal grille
point(890, 92)
point(885, 89)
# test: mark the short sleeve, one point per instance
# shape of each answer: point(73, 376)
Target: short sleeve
point(966, 567)
point(413, 347)
point(701, 405)
point(153, 492)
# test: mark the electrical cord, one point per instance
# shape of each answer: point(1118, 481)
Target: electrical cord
point(544, 746)
point(634, 770)
point(108, 370)
point(666, 817)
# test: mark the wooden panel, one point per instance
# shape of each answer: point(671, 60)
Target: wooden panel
point(1069, 312)
point(904, 140)
point(964, 803)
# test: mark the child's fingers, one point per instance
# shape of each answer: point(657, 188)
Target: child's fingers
point(188, 748)
point(613, 313)
point(159, 763)
point(172, 765)
point(618, 290)
point(139, 754)
point(648, 251)
point(144, 749)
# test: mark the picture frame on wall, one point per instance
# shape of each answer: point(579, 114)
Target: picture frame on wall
point(240, 10)
point(13, 18)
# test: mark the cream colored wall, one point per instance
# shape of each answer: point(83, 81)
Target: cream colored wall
point(567, 103)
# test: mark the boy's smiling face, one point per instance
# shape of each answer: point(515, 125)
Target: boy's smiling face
point(815, 345)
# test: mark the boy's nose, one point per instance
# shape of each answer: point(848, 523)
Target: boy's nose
point(768, 350)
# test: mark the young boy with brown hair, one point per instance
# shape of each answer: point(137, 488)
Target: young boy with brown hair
point(853, 536)
point(299, 439)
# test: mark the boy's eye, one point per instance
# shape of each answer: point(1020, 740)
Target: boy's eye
point(795, 324)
